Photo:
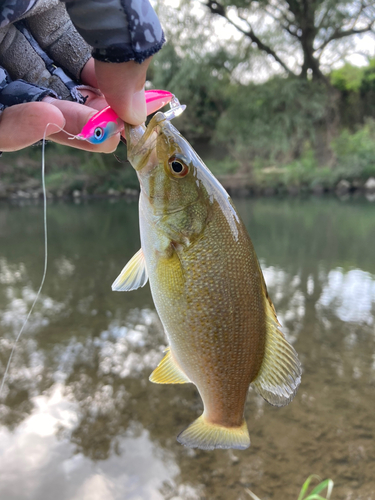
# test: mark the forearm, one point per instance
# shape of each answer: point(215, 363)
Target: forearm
point(37, 40)
point(56, 35)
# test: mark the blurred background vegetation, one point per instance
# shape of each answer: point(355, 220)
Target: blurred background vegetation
point(280, 96)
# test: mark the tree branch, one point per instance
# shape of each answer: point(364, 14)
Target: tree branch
point(326, 13)
point(286, 26)
point(338, 34)
point(216, 8)
point(355, 19)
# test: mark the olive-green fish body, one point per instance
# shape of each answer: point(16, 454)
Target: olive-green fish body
point(207, 287)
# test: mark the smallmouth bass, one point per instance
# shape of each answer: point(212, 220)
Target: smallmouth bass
point(207, 287)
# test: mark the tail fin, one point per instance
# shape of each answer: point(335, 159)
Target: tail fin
point(206, 436)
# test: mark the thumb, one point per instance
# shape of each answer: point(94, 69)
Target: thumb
point(123, 87)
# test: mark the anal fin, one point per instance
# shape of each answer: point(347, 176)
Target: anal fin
point(168, 371)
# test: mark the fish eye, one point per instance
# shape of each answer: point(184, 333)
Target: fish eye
point(98, 133)
point(178, 168)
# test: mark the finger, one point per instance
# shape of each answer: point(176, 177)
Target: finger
point(123, 87)
point(76, 115)
point(24, 124)
point(93, 100)
point(88, 75)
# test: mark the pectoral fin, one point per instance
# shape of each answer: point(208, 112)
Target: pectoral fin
point(280, 374)
point(133, 276)
point(168, 371)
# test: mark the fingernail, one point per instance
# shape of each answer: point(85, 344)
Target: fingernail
point(49, 99)
point(139, 107)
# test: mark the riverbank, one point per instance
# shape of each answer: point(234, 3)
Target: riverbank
point(236, 186)
point(79, 174)
point(242, 186)
point(114, 183)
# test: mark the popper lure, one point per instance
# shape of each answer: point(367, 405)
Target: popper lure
point(106, 122)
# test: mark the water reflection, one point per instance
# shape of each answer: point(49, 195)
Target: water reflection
point(78, 415)
point(349, 295)
point(136, 470)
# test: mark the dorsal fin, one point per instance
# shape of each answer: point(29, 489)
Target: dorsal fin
point(168, 371)
point(133, 276)
point(280, 374)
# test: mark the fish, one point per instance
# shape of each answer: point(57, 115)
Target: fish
point(208, 289)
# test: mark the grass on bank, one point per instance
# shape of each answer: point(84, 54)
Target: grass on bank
point(353, 160)
point(67, 170)
point(315, 493)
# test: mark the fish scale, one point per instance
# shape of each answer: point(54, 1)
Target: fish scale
point(233, 337)
point(207, 287)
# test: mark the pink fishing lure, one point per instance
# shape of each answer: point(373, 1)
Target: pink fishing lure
point(106, 122)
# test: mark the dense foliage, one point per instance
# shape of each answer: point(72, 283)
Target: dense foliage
point(284, 120)
point(274, 123)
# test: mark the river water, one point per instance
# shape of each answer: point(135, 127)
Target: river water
point(79, 419)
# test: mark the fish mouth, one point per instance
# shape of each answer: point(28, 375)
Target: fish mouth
point(147, 158)
point(141, 144)
point(143, 150)
point(141, 139)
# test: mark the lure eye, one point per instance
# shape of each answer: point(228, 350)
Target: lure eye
point(178, 168)
point(98, 133)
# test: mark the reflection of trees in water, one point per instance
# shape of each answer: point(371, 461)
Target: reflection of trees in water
point(102, 347)
point(111, 387)
point(79, 277)
point(106, 379)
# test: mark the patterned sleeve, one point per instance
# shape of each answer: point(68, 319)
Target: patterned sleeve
point(12, 10)
point(118, 30)
point(40, 51)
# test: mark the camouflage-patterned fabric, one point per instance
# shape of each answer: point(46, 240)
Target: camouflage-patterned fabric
point(118, 30)
point(12, 10)
point(41, 66)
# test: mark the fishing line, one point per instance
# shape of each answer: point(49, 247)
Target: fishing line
point(45, 254)
point(71, 136)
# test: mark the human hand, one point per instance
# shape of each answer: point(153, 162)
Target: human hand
point(24, 124)
point(127, 99)
point(123, 84)
point(123, 87)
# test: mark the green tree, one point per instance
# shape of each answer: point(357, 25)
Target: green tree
point(217, 49)
point(198, 80)
point(297, 34)
point(274, 122)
